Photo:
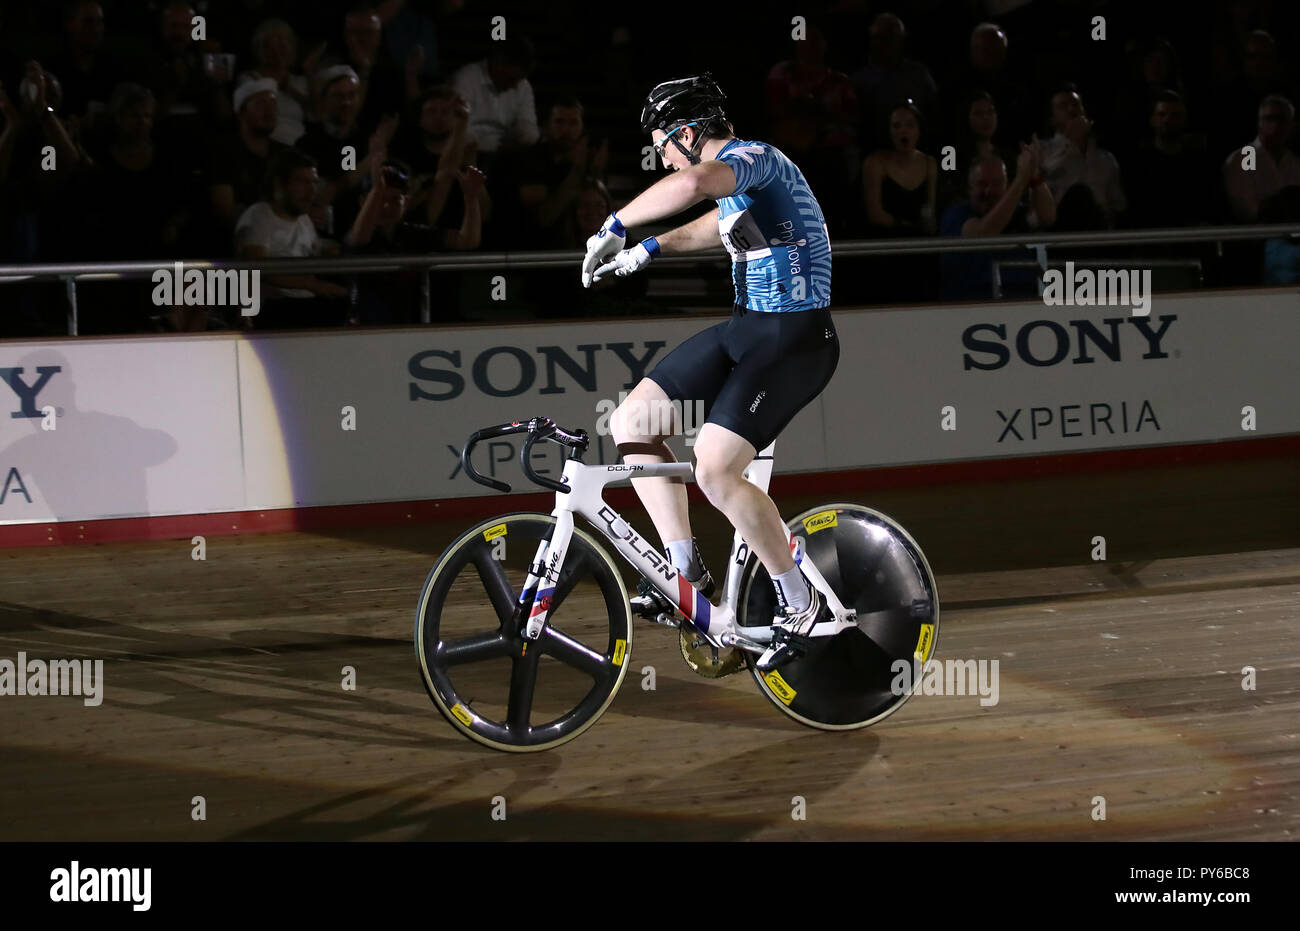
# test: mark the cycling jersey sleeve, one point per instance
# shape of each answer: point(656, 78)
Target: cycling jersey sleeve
point(754, 165)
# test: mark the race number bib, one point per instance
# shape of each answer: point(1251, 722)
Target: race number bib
point(740, 234)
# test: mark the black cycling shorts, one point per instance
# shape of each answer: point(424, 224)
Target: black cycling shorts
point(755, 371)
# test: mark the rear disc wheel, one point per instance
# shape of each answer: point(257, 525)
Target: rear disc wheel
point(853, 679)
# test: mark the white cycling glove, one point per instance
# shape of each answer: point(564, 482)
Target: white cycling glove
point(629, 260)
point(608, 240)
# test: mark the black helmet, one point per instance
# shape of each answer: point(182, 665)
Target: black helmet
point(694, 99)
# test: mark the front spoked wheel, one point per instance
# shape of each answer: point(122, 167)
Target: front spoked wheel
point(492, 684)
point(852, 679)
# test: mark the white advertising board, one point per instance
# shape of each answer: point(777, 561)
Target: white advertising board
point(177, 425)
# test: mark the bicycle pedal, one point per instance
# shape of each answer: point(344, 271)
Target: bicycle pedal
point(649, 601)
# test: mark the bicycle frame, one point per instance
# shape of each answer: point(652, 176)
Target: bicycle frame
point(716, 622)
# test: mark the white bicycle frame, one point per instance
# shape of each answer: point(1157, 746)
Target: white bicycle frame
point(716, 622)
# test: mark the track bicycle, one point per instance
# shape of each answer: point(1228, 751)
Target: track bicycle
point(524, 626)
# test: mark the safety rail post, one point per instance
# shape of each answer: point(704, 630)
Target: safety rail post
point(70, 285)
point(1040, 253)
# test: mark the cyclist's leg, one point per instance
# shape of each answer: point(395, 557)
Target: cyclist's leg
point(693, 372)
point(721, 459)
point(663, 498)
point(785, 360)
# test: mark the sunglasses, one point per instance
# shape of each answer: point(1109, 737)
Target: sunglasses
point(663, 143)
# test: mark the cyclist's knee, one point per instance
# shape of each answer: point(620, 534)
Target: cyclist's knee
point(627, 427)
point(645, 416)
point(715, 476)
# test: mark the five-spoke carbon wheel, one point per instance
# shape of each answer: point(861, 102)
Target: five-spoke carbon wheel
point(492, 684)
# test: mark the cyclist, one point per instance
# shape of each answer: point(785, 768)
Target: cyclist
point(754, 372)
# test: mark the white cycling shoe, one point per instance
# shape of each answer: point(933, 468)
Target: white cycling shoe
point(790, 634)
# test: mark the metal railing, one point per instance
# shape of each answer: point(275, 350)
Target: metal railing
point(1035, 265)
point(1038, 242)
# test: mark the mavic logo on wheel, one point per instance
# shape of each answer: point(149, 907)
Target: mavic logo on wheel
point(780, 688)
point(820, 521)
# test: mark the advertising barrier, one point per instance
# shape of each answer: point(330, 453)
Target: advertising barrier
point(141, 427)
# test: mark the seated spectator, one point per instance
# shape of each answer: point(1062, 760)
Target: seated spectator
point(1170, 176)
point(411, 38)
point(33, 201)
point(340, 127)
point(282, 228)
point(1282, 253)
point(1154, 73)
point(978, 137)
point(889, 77)
point(988, 69)
point(124, 215)
point(1072, 157)
point(1275, 166)
point(380, 226)
point(86, 69)
point(899, 184)
point(1232, 103)
point(808, 75)
point(239, 161)
point(188, 99)
point(437, 149)
point(997, 207)
point(380, 230)
point(590, 208)
point(502, 112)
point(544, 179)
point(275, 53)
point(381, 87)
point(40, 94)
point(39, 197)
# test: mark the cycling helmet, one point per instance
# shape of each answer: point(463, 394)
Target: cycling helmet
point(672, 104)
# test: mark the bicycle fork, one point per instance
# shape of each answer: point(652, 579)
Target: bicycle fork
point(544, 575)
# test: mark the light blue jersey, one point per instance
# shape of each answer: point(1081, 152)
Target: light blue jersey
point(774, 229)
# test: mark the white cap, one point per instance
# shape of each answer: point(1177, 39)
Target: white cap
point(327, 76)
point(249, 88)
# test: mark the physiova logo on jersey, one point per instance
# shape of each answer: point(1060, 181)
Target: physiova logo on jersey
point(786, 239)
point(991, 346)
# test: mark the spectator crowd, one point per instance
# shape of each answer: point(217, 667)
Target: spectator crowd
point(246, 129)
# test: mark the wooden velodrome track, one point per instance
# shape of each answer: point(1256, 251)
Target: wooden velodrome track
point(1119, 679)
